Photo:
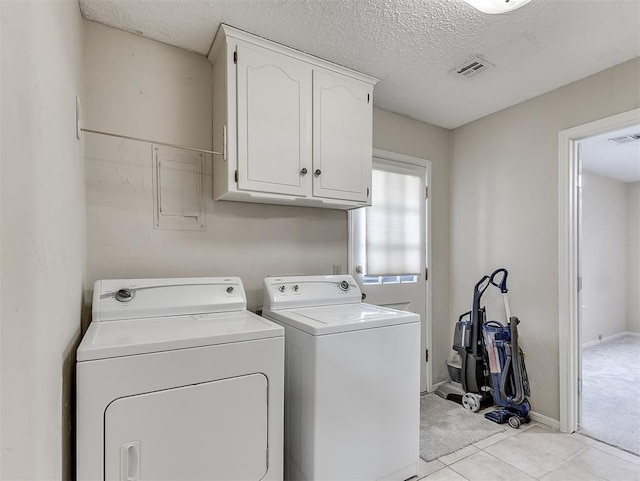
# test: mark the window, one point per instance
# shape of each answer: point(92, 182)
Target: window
point(372, 280)
point(394, 225)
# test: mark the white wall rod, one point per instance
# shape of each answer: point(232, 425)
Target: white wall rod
point(150, 141)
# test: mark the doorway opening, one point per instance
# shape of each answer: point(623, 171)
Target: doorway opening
point(389, 247)
point(591, 247)
point(609, 266)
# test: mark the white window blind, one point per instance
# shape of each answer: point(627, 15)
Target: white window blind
point(393, 223)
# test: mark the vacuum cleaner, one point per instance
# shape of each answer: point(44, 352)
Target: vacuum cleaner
point(510, 383)
point(484, 369)
point(470, 383)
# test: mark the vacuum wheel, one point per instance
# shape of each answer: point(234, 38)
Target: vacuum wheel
point(471, 401)
point(514, 422)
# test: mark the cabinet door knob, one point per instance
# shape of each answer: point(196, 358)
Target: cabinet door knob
point(303, 171)
point(318, 172)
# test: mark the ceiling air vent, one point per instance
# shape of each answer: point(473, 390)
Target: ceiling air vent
point(625, 139)
point(472, 68)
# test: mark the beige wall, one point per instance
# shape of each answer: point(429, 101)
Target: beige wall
point(603, 251)
point(42, 235)
point(395, 133)
point(633, 256)
point(504, 208)
point(144, 88)
point(2, 437)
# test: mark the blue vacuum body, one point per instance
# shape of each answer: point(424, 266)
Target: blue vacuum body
point(510, 384)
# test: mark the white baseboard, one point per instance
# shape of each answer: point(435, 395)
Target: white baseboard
point(435, 386)
point(609, 338)
point(546, 420)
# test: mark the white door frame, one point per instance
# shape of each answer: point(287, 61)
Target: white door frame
point(426, 373)
point(568, 257)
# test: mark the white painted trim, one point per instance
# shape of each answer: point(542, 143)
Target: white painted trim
point(609, 338)
point(429, 310)
point(434, 387)
point(592, 343)
point(568, 258)
point(407, 159)
point(546, 420)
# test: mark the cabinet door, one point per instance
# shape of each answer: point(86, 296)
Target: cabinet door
point(274, 122)
point(342, 137)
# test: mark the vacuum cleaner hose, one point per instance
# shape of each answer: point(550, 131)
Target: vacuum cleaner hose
point(513, 362)
point(505, 373)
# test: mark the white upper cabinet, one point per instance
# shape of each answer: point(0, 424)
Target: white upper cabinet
point(294, 129)
point(342, 138)
point(274, 122)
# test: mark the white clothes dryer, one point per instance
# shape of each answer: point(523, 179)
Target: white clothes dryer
point(352, 389)
point(176, 380)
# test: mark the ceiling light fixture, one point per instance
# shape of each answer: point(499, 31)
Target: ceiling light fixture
point(496, 6)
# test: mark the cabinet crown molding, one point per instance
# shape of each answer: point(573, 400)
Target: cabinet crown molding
point(227, 31)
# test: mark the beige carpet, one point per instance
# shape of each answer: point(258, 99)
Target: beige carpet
point(446, 427)
point(611, 393)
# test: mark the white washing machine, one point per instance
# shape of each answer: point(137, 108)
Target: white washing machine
point(352, 385)
point(176, 380)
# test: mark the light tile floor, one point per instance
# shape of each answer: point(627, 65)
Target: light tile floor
point(534, 452)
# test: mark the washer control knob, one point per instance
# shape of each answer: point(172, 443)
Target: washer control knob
point(344, 285)
point(282, 288)
point(230, 289)
point(124, 295)
point(295, 288)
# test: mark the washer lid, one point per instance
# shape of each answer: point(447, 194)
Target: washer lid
point(323, 320)
point(142, 336)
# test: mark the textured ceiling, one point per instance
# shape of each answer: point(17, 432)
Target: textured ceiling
point(412, 45)
point(609, 159)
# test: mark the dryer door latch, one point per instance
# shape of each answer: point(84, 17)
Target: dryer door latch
point(130, 461)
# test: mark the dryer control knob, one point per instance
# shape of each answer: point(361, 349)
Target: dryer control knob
point(124, 295)
point(295, 288)
point(230, 289)
point(282, 288)
point(344, 285)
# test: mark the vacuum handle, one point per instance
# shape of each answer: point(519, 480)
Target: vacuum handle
point(493, 324)
point(482, 285)
point(502, 282)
